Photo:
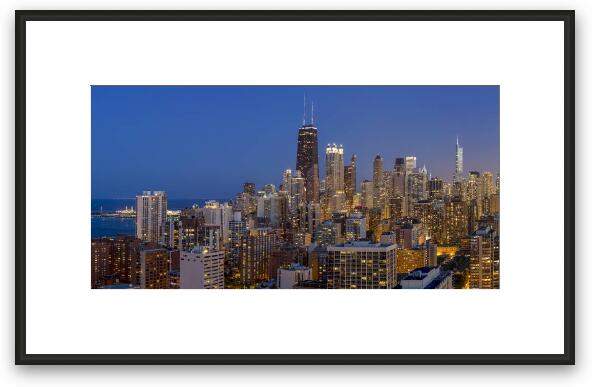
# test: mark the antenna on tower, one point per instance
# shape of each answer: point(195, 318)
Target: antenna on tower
point(304, 111)
point(312, 114)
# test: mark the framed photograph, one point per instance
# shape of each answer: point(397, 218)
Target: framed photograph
point(295, 187)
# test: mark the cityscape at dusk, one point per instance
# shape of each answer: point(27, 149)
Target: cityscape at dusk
point(295, 187)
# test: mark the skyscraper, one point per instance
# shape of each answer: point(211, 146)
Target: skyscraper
point(474, 186)
point(455, 220)
point(378, 182)
point(298, 201)
point(458, 171)
point(436, 187)
point(396, 208)
point(497, 184)
point(349, 177)
point(307, 158)
point(387, 181)
point(217, 214)
point(487, 184)
point(484, 261)
point(287, 182)
point(255, 253)
point(268, 208)
point(313, 216)
point(417, 184)
point(410, 164)
point(238, 228)
point(367, 194)
point(151, 214)
point(431, 214)
point(400, 189)
point(334, 179)
point(400, 177)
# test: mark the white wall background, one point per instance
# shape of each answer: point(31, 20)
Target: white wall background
point(459, 376)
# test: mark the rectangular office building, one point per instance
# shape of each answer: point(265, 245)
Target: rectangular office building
point(361, 265)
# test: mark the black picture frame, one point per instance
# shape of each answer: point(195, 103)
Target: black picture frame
point(568, 355)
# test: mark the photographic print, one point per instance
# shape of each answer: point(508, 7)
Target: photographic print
point(278, 165)
point(295, 187)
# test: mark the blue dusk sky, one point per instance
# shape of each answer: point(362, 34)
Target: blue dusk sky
point(205, 141)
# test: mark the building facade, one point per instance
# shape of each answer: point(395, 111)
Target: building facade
point(355, 227)
point(410, 259)
point(349, 176)
point(113, 260)
point(361, 265)
point(484, 259)
point(334, 178)
point(202, 268)
point(307, 160)
point(378, 182)
point(458, 163)
point(367, 194)
point(151, 215)
point(255, 256)
point(455, 221)
point(291, 275)
point(154, 268)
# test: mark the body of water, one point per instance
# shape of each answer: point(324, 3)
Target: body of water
point(112, 226)
point(112, 205)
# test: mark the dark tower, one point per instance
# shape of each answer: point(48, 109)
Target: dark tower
point(307, 157)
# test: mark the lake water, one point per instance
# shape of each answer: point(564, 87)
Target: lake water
point(110, 226)
point(107, 227)
point(112, 205)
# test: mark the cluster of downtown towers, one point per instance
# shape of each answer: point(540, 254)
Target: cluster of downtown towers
point(403, 230)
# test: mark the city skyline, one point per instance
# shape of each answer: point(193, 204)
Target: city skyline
point(319, 221)
point(260, 153)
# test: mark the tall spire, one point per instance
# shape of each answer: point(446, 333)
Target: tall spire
point(312, 113)
point(304, 111)
point(457, 140)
